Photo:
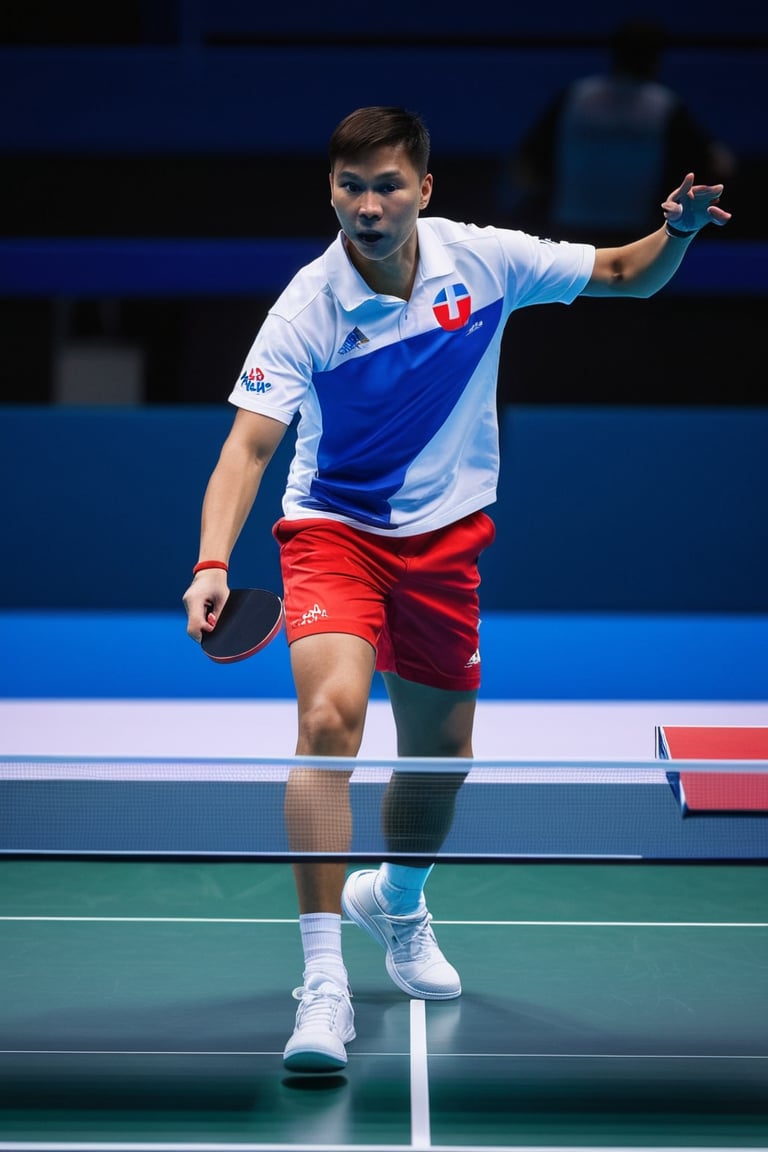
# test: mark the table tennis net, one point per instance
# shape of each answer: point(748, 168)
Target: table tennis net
point(291, 809)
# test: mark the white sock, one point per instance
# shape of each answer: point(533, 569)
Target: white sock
point(399, 888)
point(321, 941)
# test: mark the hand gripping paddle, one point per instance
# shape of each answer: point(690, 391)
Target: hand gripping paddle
point(250, 618)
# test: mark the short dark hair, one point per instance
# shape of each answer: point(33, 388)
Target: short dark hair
point(381, 127)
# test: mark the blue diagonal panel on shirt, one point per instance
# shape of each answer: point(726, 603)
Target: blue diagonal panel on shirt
point(381, 410)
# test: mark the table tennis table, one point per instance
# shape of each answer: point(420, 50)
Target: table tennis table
point(717, 792)
point(615, 974)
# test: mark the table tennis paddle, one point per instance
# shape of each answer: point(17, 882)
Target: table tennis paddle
point(250, 618)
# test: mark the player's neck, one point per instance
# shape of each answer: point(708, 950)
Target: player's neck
point(394, 276)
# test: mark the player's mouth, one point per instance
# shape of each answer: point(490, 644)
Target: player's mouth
point(370, 238)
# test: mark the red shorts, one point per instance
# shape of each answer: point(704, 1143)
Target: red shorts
point(413, 598)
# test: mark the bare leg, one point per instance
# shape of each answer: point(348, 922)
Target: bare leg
point(418, 808)
point(431, 721)
point(332, 673)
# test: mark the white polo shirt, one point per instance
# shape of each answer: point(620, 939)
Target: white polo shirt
point(397, 430)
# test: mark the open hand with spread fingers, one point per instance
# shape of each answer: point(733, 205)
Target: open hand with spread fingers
point(691, 206)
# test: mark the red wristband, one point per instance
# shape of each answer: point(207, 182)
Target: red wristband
point(203, 564)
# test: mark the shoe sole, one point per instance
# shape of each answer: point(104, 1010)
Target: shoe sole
point(313, 1061)
point(359, 916)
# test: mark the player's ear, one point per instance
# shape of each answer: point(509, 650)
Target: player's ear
point(330, 182)
point(426, 190)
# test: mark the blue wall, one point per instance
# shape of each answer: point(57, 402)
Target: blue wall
point(599, 509)
point(526, 656)
point(287, 98)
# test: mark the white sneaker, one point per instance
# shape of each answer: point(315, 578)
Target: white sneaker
point(414, 960)
point(324, 1024)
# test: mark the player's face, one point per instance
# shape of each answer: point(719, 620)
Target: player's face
point(377, 198)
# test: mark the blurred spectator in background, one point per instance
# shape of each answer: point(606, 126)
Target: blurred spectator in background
point(600, 159)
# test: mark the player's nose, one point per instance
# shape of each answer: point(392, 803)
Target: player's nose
point(369, 205)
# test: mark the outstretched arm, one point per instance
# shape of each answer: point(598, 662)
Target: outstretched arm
point(644, 266)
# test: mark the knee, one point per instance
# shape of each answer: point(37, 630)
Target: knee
point(327, 728)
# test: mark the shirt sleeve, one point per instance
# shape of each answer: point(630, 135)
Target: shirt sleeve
point(276, 373)
point(543, 271)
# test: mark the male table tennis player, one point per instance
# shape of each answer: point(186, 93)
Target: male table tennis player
point(387, 348)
